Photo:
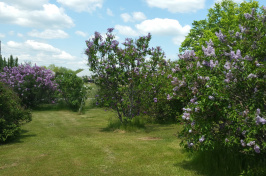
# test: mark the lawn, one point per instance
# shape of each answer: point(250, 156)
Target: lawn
point(61, 142)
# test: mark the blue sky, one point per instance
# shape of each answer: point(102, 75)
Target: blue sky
point(54, 31)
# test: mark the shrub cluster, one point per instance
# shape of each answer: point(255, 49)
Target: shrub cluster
point(72, 89)
point(226, 91)
point(12, 114)
point(33, 84)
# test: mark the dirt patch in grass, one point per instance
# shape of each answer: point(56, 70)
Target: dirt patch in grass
point(8, 166)
point(150, 138)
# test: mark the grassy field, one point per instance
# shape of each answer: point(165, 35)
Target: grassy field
point(61, 142)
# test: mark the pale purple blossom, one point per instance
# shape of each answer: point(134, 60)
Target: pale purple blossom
point(247, 16)
point(227, 65)
point(220, 36)
point(201, 139)
point(257, 149)
point(242, 142)
point(155, 100)
point(169, 97)
point(251, 75)
point(260, 120)
point(211, 97)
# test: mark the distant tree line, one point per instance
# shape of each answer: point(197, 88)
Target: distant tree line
point(9, 62)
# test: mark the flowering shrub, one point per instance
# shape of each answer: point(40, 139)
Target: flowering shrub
point(33, 84)
point(124, 75)
point(226, 91)
point(12, 115)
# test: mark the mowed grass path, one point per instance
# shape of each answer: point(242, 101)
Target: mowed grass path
point(65, 143)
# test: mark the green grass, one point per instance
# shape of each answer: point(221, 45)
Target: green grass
point(61, 142)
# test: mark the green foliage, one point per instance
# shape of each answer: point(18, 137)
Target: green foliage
point(224, 16)
point(72, 89)
point(12, 114)
point(11, 62)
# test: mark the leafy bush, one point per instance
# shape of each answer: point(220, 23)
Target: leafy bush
point(226, 91)
point(12, 115)
point(33, 84)
point(73, 91)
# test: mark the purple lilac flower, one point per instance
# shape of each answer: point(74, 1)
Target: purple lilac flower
point(175, 81)
point(242, 29)
point(209, 51)
point(258, 111)
point(247, 16)
point(242, 142)
point(251, 143)
point(188, 55)
point(190, 144)
point(155, 100)
point(186, 116)
point(169, 97)
point(220, 36)
point(169, 76)
point(211, 97)
point(251, 75)
point(260, 120)
point(201, 139)
point(175, 88)
point(236, 55)
point(227, 65)
point(98, 35)
point(110, 30)
point(257, 149)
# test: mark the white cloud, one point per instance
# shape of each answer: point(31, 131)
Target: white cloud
point(82, 5)
point(39, 53)
point(109, 12)
point(64, 55)
point(2, 35)
point(164, 27)
point(13, 44)
point(27, 4)
point(38, 46)
point(20, 35)
point(48, 34)
point(177, 6)
point(126, 30)
point(11, 33)
point(161, 26)
point(139, 16)
point(126, 17)
point(48, 16)
point(80, 33)
point(136, 16)
point(236, 1)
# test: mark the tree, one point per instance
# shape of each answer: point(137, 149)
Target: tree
point(225, 16)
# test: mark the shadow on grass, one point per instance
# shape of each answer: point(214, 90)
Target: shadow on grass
point(19, 138)
point(222, 162)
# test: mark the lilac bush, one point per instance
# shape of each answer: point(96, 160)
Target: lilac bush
point(226, 91)
point(33, 84)
point(128, 77)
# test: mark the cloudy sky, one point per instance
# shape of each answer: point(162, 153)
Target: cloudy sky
point(54, 31)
